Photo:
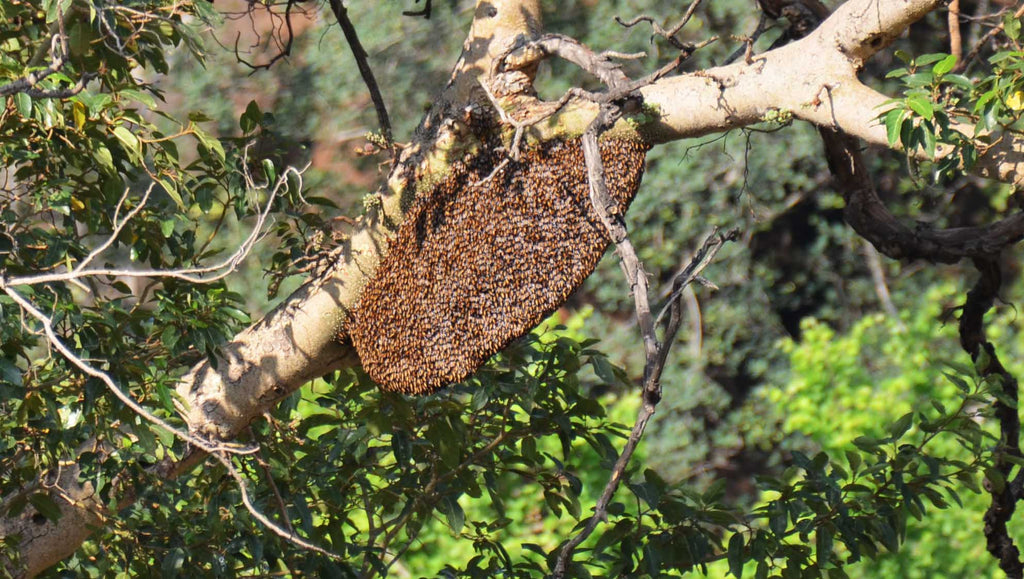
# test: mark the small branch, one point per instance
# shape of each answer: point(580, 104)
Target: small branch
point(265, 467)
point(869, 217)
point(670, 34)
point(341, 13)
point(190, 274)
point(278, 530)
point(425, 12)
point(956, 47)
point(877, 270)
point(962, 65)
point(58, 58)
point(656, 353)
point(747, 50)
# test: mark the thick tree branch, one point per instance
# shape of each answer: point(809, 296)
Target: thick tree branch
point(1005, 493)
point(869, 217)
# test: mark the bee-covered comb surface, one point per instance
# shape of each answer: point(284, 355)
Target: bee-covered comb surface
point(482, 258)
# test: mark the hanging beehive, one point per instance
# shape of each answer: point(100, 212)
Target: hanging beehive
point(482, 258)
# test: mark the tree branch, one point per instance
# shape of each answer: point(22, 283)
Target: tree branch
point(655, 352)
point(361, 58)
point(1005, 493)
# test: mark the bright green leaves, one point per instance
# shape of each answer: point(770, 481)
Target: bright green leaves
point(251, 119)
point(386, 473)
point(921, 120)
point(1011, 26)
point(940, 108)
point(70, 164)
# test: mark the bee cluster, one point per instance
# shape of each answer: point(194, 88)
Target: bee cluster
point(482, 258)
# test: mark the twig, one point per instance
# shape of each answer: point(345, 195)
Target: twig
point(962, 65)
point(655, 353)
point(521, 126)
point(278, 530)
point(425, 12)
point(265, 466)
point(881, 287)
point(747, 50)
point(285, 50)
point(189, 274)
point(341, 13)
point(669, 34)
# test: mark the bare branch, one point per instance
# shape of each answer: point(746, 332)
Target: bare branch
point(359, 53)
point(424, 12)
point(670, 34)
point(189, 274)
point(655, 352)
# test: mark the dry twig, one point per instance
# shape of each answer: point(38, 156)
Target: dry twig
point(359, 53)
point(656, 353)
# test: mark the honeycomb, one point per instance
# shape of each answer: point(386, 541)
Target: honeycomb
point(482, 258)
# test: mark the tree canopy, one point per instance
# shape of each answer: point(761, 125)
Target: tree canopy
point(797, 358)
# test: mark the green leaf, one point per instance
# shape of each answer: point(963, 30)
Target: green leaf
point(173, 563)
point(269, 170)
point(823, 545)
point(140, 97)
point(921, 105)
point(945, 65)
point(172, 191)
point(23, 103)
point(236, 314)
point(130, 142)
point(102, 156)
point(854, 460)
point(167, 227)
point(453, 513)
point(250, 119)
point(928, 140)
point(55, 8)
point(735, 555)
point(1011, 26)
point(893, 121)
point(10, 373)
point(959, 80)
